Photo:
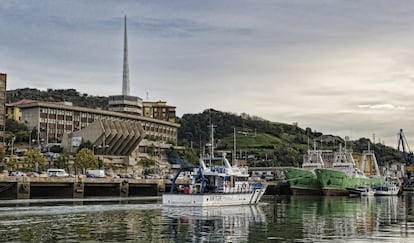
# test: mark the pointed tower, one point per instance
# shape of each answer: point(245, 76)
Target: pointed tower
point(125, 76)
point(125, 102)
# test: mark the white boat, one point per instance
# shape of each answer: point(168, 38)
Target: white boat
point(387, 189)
point(215, 182)
point(368, 192)
point(362, 191)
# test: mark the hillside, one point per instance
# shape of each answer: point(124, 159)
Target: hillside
point(55, 95)
point(265, 143)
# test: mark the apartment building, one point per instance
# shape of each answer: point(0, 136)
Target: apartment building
point(159, 110)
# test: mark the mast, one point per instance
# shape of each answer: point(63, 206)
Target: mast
point(234, 147)
point(211, 126)
point(125, 73)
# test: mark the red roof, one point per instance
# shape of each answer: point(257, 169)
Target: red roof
point(21, 102)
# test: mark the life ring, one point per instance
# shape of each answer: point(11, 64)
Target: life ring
point(244, 185)
point(226, 183)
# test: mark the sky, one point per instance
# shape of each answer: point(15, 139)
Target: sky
point(341, 67)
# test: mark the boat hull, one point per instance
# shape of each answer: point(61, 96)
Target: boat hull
point(335, 183)
point(213, 199)
point(302, 182)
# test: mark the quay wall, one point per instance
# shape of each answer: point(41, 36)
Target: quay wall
point(77, 187)
point(81, 187)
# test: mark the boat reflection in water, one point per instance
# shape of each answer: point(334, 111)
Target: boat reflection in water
point(212, 224)
point(332, 218)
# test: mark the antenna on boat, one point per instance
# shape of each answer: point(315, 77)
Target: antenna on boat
point(211, 126)
point(234, 147)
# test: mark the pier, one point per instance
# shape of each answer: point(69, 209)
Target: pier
point(78, 187)
point(81, 187)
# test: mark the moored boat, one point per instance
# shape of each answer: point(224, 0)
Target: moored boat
point(361, 191)
point(215, 182)
point(303, 181)
point(387, 189)
point(346, 174)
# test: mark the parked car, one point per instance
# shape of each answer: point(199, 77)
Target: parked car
point(17, 173)
point(32, 174)
point(95, 174)
point(57, 173)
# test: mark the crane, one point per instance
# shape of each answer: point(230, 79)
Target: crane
point(408, 156)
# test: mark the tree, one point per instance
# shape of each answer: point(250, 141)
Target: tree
point(190, 155)
point(33, 159)
point(85, 159)
point(61, 162)
point(12, 163)
point(147, 164)
point(2, 153)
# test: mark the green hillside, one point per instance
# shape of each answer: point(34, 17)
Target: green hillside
point(266, 143)
point(56, 95)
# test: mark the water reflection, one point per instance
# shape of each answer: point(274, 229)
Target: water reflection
point(338, 218)
point(279, 219)
point(212, 224)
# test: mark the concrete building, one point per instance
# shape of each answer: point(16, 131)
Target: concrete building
point(3, 82)
point(125, 104)
point(114, 142)
point(53, 119)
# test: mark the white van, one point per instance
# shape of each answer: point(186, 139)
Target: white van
point(57, 173)
point(95, 173)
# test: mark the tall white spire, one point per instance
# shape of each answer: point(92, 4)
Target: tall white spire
point(125, 76)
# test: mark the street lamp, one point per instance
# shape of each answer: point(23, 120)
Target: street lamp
point(12, 144)
point(30, 139)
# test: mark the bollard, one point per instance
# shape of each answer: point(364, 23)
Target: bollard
point(23, 188)
point(78, 187)
point(124, 188)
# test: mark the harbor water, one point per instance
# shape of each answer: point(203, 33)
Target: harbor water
point(275, 219)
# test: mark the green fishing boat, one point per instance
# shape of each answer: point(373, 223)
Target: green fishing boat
point(303, 181)
point(348, 172)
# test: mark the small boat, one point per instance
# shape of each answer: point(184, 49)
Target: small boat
point(215, 182)
point(387, 189)
point(361, 191)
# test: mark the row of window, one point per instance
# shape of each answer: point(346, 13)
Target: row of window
point(85, 119)
point(148, 127)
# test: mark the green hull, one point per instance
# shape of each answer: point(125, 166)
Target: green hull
point(302, 182)
point(335, 183)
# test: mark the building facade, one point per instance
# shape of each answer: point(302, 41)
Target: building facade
point(126, 104)
point(13, 111)
point(53, 119)
point(159, 110)
point(3, 82)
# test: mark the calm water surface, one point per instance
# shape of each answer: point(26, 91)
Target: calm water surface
point(276, 219)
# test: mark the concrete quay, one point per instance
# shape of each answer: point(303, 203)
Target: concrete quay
point(78, 187)
point(82, 187)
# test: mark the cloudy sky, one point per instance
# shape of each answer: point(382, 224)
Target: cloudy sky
point(343, 67)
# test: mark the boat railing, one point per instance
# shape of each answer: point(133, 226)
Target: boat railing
point(218, 169)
